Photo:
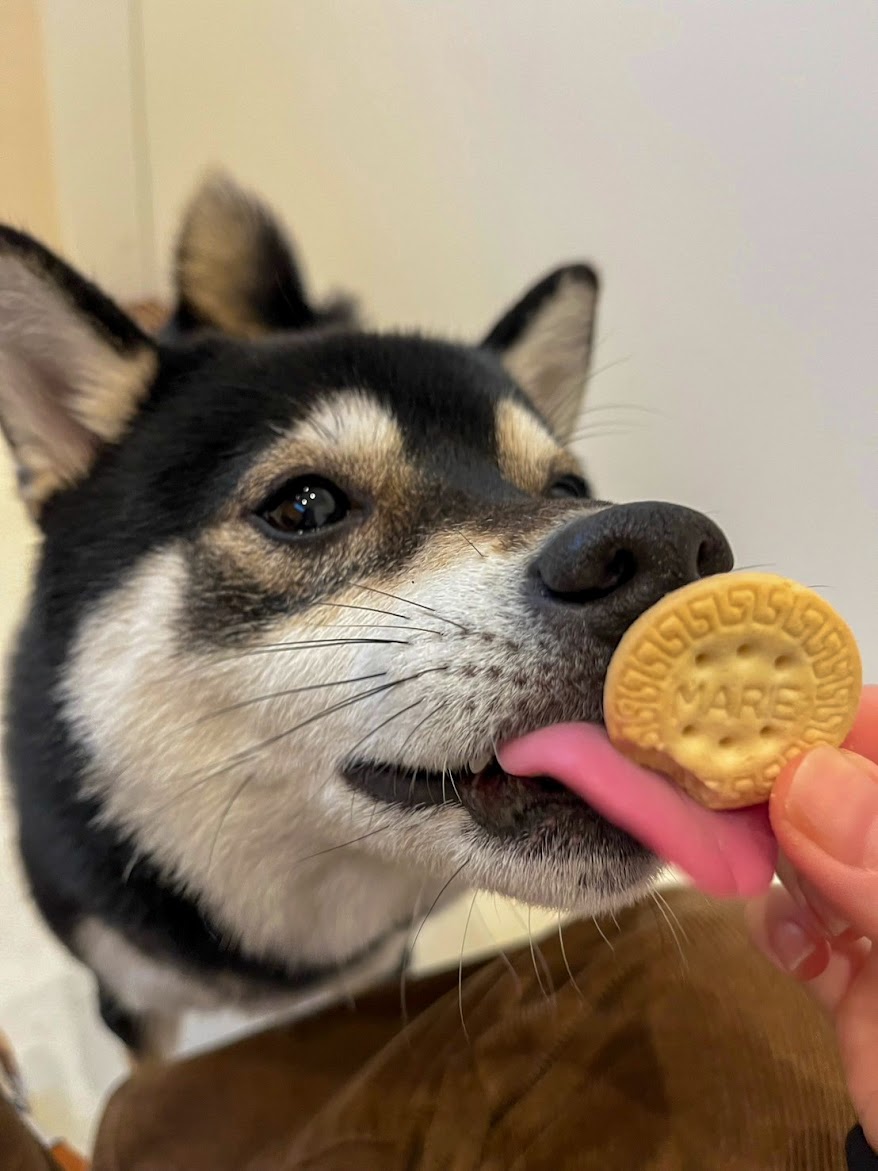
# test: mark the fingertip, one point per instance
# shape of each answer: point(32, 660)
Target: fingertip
point(824, 759)
point(823, 768)
point(863, 737)
point(861, 743)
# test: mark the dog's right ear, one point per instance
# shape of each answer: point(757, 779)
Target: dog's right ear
point(236, 271)
point(545, 341)
point(73, 368)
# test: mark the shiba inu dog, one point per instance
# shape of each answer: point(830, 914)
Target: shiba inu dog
point(298, 581)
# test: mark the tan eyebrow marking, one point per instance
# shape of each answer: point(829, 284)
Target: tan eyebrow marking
point(526, 452)
point(348, 434)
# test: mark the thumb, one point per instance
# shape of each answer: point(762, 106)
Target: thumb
point(824, 812)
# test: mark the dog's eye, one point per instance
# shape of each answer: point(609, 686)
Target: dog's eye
point(570, 486)
point(304, 505)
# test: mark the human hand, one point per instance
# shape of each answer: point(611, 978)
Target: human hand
point(823, 927)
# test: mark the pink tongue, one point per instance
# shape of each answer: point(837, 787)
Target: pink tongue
point(732, 853)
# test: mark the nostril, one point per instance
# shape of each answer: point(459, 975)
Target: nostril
point(608, 575)
point(713, 556)
point(619, 570)
point(703, 559)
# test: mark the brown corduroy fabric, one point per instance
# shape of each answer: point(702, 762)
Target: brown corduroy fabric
point(19, 1150)
point(648, 1060)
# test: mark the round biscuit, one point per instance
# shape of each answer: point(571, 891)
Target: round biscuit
point(724, 681)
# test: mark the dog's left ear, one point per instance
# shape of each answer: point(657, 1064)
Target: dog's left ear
point(545, 340)
point(74, 369)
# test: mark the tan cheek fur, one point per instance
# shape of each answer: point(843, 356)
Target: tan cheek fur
point(223, 764)
point(249, 813)
point(183, 768)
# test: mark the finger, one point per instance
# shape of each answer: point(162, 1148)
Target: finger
point(863, 738)
point(857, 1028)
point(824, 812)
point(843, 979)
point(787, 935)
point(826, 917)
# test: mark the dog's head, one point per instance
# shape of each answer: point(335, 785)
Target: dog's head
point(299, 580)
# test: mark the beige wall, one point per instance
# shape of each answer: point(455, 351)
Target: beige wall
point(27, 182)
point(38, 984)
point(27, 200)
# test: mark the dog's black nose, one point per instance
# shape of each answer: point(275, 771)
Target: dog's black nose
point(621, 560)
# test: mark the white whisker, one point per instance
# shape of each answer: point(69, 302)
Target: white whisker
point(566, 961)
point(602, 934)
point(661, 906)
point(460, 967)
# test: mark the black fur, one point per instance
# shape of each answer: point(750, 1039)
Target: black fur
point(128, 1026)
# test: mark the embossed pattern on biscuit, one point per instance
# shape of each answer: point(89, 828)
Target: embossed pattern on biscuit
point(725, 680)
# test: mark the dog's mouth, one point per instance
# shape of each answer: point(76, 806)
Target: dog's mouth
point(419, 788)
point(535, 817)
point(567, 781)
point(497, 799)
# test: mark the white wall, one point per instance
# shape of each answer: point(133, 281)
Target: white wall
point(716, 159)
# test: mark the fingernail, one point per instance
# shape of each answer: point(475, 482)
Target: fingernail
point(795, 950)
point(827, 916)
point(834, 802)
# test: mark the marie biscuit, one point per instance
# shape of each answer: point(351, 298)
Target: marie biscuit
point(724, 681)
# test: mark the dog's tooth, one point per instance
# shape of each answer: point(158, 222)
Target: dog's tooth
point(480, 763)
